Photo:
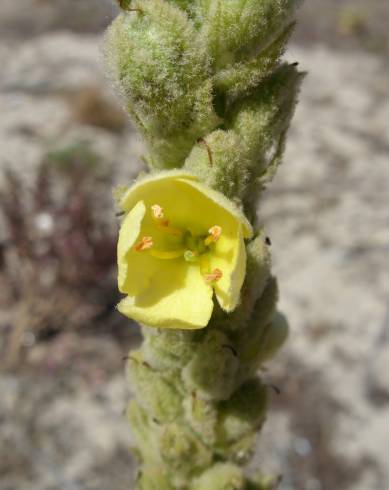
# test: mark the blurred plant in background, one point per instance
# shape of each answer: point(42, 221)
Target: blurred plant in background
point(91, 106)
point(57, 261)
point(352, 22)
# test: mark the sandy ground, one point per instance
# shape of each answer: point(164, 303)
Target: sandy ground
point(61, 411)
point(328, 217)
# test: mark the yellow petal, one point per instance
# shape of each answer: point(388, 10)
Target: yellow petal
point(177, 297)
point(229, 256)
point(216, 198)
point(128, 235)
point(199, 205)
point(135, 268)
point(126, 200)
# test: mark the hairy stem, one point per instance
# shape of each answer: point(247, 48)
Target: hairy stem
point(203, 82)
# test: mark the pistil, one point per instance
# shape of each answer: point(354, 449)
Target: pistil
point(191, 256)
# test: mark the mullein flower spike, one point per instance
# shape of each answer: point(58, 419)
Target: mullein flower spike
point(204, 84)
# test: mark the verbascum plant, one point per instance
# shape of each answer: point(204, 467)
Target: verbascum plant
point(203, 82)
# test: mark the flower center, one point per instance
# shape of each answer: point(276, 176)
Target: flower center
point(190, 247)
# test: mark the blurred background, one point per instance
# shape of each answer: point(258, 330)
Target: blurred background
point(65, 142)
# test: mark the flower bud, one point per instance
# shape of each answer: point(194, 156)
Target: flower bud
point(153, 477)
point(250, 339)
point(219, 160)
point(236, 30)
point(202, 416)
point(262, 119)
point(168, 349)
point(243, 413)
point(213, 370)
point(274, 339)
point(182, 452)
point(238, 78)
point(222, 476)
point(162, 69)
point(158, 396)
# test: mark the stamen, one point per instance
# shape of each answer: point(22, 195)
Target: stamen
point(215, 232)
point(170, 230)
point(214, 235)
point(167, 254)
point(157, 212)
point(213, 276)
point(163, 223)
point(145, 244)
point(159, 216)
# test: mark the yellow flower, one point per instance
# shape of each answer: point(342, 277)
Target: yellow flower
point(179, 242)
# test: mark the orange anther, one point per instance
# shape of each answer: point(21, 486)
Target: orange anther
point(213, 276)
point(215, 232)
point(157, 211)
point(144, 244)
point(214, 235)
